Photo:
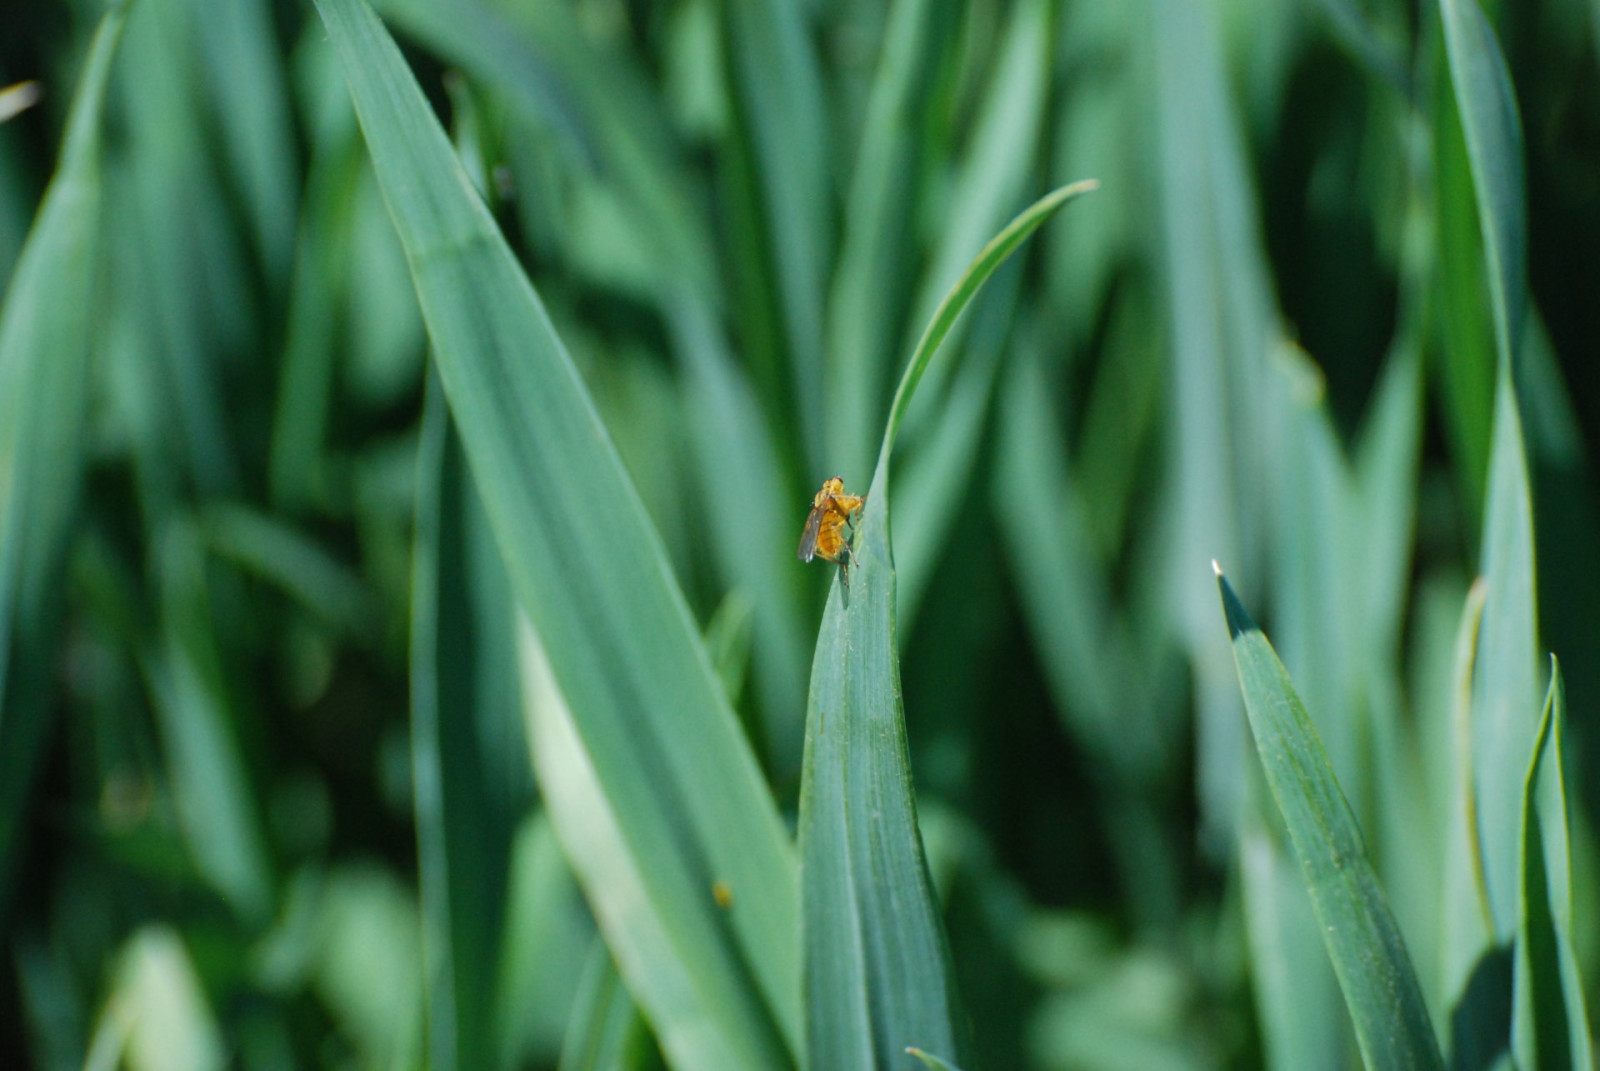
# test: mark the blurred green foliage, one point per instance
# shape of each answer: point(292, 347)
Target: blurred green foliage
point(266, 797)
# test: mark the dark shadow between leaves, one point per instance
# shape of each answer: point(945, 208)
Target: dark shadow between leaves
point(1480, 1025)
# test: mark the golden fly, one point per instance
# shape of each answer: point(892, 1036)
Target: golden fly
point(832, 513)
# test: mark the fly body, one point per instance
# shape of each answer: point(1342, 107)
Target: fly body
point(830, 525)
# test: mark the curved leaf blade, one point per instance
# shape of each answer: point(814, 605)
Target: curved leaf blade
point(877, 965)
point(961, 294)
point(1363, 939)
point(664, 748)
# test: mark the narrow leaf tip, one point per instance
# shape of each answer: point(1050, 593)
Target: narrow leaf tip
point(1239, 620)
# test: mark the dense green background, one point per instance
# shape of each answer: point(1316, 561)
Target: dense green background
point(286, 444)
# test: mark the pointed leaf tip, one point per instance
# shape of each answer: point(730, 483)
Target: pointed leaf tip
point(1239, 620)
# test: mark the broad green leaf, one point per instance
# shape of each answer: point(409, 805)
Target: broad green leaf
point(1550, 1028)
point(551, 74)
point(877, 968)
point(1369, 956)
point(634, 706)
point(46, 338)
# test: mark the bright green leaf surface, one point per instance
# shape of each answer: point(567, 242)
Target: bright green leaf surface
point(1368, 953)
point(684, 797)
point(877, 974)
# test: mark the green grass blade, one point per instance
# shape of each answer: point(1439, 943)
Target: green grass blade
point(240, 49)
point(753, 538)
point(994, 176)
point(307, 374)
point(1368, 953)
point(877, 967)
point(666, 760)
point(1220, 329)
point(1493, 131)
point(605, 1032)
point(183, 257)
point(549, 73)
point(955, 302)
point(46, 338)
point(1505, 705)
point(1466, 318)
point(1550, 1028)
point(870, 286)
point(778, 95)
point(467, 745)
point(1293, 981)
point(671, 947)
point(198, 715)
point(1505, 691)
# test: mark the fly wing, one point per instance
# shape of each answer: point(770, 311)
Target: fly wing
point(808, 538)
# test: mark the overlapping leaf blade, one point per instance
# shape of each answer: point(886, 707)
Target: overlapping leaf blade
point(647, 715)
point(1363, 940)
point(1505, 709)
